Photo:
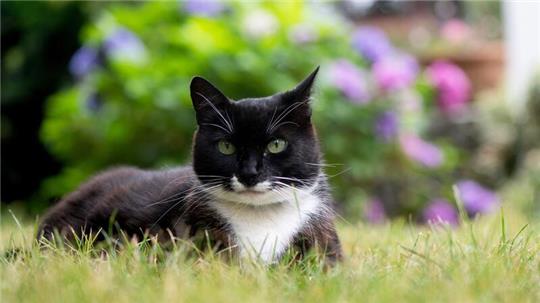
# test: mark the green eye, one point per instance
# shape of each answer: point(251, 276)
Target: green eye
point(225, 147)
point(276, 146)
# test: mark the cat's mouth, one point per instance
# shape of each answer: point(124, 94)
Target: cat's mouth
point(251, 192)
point(257, 189)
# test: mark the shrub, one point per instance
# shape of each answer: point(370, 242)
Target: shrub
point(373, 103)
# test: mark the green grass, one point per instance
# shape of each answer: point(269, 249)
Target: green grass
point(489, 260)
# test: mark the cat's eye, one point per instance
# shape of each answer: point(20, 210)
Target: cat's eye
point(276, 146)
point(225, 147)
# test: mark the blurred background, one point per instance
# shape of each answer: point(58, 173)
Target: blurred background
point(418, 104)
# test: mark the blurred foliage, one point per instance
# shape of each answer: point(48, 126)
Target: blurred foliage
point(486, 17)
point(131, 104)
point(38, 38)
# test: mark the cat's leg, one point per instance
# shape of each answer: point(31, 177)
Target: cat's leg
point(330, 246)
point(322, 237)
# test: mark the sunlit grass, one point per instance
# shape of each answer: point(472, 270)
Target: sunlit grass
point(492, 259)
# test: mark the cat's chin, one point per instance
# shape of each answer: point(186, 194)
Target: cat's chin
point(249, 197)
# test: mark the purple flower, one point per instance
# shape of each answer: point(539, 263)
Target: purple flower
point(439, 211)
point(453, 86)
point(350, 80)
point(386, 125)
point(476, 198)
point(123, 44)
point(371, 43)
point(395, 72)
point(374, 211)
point(83, 61)
point(421, 151)
point(208, 8)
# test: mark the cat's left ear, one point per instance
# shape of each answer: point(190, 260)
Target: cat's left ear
point(302, 91)
point(298, 99)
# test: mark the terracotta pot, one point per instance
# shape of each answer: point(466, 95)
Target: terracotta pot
point(484, 64)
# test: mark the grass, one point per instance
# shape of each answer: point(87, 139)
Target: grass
point(494, 259)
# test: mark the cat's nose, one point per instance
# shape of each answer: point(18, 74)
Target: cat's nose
point(249, 170)
point(248, 177)
point(249, 180)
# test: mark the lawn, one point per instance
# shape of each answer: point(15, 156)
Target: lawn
point(493, 259)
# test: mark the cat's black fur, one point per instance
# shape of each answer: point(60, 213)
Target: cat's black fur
point(180, 200)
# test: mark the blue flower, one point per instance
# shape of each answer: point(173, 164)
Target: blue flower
point(371, 42)
point(83, 61)
point(208, 8)
point(386, 125)
point(93, 102)
point(124, 45)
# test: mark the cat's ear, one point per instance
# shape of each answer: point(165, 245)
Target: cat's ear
point(303, 90)
point(297, 99)
point(207, 99)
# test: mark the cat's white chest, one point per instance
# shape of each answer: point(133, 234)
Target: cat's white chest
point(265, 232)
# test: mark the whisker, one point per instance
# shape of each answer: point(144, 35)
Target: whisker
point(285, 123)
point(340, 173)
point(172, 207)
point(202, 195)
point(229, 125)
point(288, 178)
point(284, 185)
point(324, 164)
point(301, 182)
point(216, 176)
point(216, 125)
point(271, 120)
point(284, 114)
point(177, 194)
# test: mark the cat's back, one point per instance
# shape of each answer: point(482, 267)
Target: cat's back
point(134, 195)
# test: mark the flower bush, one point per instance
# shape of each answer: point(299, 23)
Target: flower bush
point(130, 103)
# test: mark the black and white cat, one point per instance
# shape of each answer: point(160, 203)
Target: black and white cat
point(255, 186)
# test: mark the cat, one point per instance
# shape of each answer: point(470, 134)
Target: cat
point(255, 185)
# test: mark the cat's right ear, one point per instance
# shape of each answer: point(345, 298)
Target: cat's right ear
point(207, 99)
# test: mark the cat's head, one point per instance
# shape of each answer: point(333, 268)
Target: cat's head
point(255, 151)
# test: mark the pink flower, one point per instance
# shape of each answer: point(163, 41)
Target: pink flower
point(456, 31)
point(395, 72)
point(421, 151)
point(453, 86)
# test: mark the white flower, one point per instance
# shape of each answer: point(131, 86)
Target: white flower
point(260, 23)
